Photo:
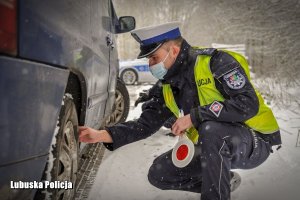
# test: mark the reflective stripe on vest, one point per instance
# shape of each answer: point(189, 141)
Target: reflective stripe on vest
point(264, 121)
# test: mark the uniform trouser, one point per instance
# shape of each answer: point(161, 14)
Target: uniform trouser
point(221, 147)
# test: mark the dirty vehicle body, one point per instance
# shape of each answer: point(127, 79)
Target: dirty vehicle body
point(59, 68)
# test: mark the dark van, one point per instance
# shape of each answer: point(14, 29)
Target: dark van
point(59, 68)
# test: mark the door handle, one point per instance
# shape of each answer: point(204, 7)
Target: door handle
point(109, 41)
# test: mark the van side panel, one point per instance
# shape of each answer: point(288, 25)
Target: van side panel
point(31, 97)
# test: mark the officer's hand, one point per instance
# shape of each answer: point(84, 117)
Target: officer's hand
point(182, 124)
point(143, 96)
point(139, 100)
point(90, 135)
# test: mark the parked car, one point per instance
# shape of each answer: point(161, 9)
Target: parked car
point(59, 68)
point(136, 71)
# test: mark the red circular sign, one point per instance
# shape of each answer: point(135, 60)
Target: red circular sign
point(182, 152)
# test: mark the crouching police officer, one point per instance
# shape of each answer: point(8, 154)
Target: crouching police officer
point(225, 116)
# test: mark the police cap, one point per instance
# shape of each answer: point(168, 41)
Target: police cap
point(152, 37)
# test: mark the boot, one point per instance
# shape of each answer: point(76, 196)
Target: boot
point(235, 181)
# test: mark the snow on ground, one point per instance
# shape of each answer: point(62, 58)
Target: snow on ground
point(123, 173)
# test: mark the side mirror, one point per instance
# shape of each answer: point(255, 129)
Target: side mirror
point(126, 24)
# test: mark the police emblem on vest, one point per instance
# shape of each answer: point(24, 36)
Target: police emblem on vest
point(235, 80)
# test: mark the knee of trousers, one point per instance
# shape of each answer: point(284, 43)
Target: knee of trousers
point(212, 137)
point(212, 131)
point(157, 169)
point(155, 176)
point(162, 171)
point(153, 173)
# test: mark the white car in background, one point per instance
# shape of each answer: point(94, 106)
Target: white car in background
point(136, 71)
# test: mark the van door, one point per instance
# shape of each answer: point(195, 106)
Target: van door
point(100, 30)
point(114, 61)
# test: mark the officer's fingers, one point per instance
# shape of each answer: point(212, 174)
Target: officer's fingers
point(175, 133)
point(178, 125)
point(82, 136)
point(84, 133)
point(175, 125)
point(84, 139)
point(82, 128)
point(176, 130)
point(173, 130)
point(181, 133)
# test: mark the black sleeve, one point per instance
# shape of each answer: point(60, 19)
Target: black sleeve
point(241, 102)
point(154, 114)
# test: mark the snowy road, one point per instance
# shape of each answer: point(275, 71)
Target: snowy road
point(123, 173)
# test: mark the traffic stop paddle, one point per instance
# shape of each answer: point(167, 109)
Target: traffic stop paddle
point(183, 151)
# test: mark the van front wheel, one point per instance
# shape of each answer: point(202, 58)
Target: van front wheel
point(121, 105)
point(62, 163)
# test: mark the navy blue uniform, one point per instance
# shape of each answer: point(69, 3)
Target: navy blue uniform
point(225, 142)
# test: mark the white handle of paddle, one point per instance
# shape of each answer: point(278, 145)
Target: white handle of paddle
point(183, 136)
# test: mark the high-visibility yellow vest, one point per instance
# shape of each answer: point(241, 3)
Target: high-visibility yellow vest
point(263, 122)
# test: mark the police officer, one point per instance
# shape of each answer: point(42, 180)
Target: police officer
point(235, 129)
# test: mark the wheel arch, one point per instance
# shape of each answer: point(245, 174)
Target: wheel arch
point(76, 86)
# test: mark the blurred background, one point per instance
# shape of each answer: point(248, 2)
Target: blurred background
point(269, 31)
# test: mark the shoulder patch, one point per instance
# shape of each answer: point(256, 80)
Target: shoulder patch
point(216, 108)
point(235, 80)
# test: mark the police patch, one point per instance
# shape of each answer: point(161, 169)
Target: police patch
point(216, 108)
point(235, 80)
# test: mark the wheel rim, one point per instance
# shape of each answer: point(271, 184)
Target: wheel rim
point(67, 165)
point(119, 107)
point(129, 77)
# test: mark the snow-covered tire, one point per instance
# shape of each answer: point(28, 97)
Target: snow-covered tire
point(63, 156)
point(121, 105)
point(129, 76)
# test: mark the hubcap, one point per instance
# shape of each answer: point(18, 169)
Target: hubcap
point(67, 160)
point(129, 77)
point(119, 107)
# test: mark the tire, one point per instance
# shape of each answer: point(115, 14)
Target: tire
point(129, 76)
point(121, 105)
point(63, 158)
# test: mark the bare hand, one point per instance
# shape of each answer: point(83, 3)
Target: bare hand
point(181, 125)
point(90, 135)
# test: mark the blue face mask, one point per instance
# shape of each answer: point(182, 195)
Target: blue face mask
point(158, 70)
